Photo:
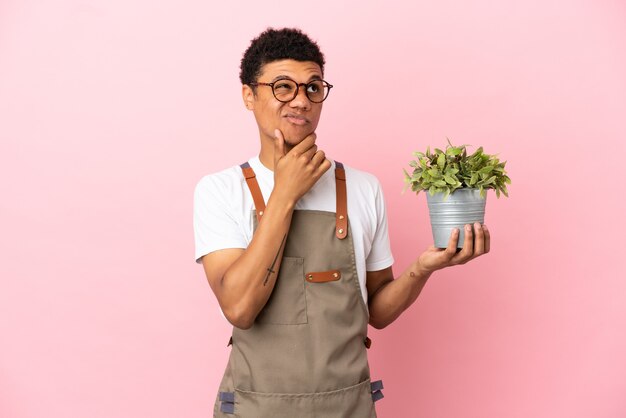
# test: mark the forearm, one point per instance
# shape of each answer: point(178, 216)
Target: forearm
point(386, 305)
point(248, 283)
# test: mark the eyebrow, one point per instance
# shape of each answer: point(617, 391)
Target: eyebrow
point(283, 77)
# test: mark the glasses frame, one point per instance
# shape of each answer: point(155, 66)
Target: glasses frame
point(306, 92)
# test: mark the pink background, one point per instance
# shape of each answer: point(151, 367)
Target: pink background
point(111, 111)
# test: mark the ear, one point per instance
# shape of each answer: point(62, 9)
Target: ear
point(248, 96)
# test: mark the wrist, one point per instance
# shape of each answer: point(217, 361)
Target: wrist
point(419, 271)
point(282, 201)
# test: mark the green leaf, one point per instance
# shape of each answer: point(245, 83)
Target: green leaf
point(434, 172)
point(441, 161)
point(489, 180)
point(453, 151)
point(473, 179)
point(449, 179)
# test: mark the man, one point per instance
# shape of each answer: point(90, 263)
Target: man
point(295, 248)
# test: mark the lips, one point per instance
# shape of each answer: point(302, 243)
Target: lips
point(296, 119)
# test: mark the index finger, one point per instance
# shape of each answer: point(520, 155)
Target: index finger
point(279, 144)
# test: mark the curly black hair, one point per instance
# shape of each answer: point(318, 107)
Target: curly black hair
point(278, 44)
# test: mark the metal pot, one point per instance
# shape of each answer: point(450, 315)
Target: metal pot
point(463, 206)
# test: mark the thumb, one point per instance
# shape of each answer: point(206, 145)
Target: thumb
point(279, 145)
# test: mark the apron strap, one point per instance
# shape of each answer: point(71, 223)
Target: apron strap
point(253, 185)
point(341, 228)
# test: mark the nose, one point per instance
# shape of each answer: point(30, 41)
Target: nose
point(301, 100)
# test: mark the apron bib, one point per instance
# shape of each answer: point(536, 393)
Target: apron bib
point(305, 356)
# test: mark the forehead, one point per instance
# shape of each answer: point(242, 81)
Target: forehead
point(298, 70)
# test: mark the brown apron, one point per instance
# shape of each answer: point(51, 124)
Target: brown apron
point(305, 356)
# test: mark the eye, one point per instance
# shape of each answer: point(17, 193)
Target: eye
point(314, 87)
point(283, 86)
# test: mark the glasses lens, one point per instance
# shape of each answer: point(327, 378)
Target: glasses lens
point(285, 90)
point(317, 91)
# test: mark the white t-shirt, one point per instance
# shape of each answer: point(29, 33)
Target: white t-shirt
point(223, 204)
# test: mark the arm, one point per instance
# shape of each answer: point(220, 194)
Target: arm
point(243, 280)
point(388, 298)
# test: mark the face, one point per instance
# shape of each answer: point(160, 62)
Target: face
point(297, 118)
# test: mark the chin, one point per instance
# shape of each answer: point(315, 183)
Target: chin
point(293, 141)
point(294, 136)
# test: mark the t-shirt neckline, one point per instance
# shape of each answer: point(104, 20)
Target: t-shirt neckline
point(260, 169)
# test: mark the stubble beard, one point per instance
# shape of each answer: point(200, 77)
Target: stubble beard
point(290, 142)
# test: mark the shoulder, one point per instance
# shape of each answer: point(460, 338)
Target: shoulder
point(362, 181)
point(221, 182)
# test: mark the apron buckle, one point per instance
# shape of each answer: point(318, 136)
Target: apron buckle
point(377, 393)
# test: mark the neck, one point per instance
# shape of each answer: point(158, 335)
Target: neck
point(266, 156)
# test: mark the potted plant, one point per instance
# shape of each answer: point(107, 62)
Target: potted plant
point(457, 185)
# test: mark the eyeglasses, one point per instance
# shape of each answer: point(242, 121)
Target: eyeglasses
point(285, 90)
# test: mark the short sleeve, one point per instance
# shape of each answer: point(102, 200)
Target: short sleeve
point(380, 256)
point(214, 226)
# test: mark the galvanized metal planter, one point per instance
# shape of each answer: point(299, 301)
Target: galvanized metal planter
point(463, 206)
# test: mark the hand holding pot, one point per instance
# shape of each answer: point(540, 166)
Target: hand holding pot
point(477, 243)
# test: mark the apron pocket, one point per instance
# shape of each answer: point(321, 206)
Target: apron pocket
point(287, 303)
point(353, 401)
